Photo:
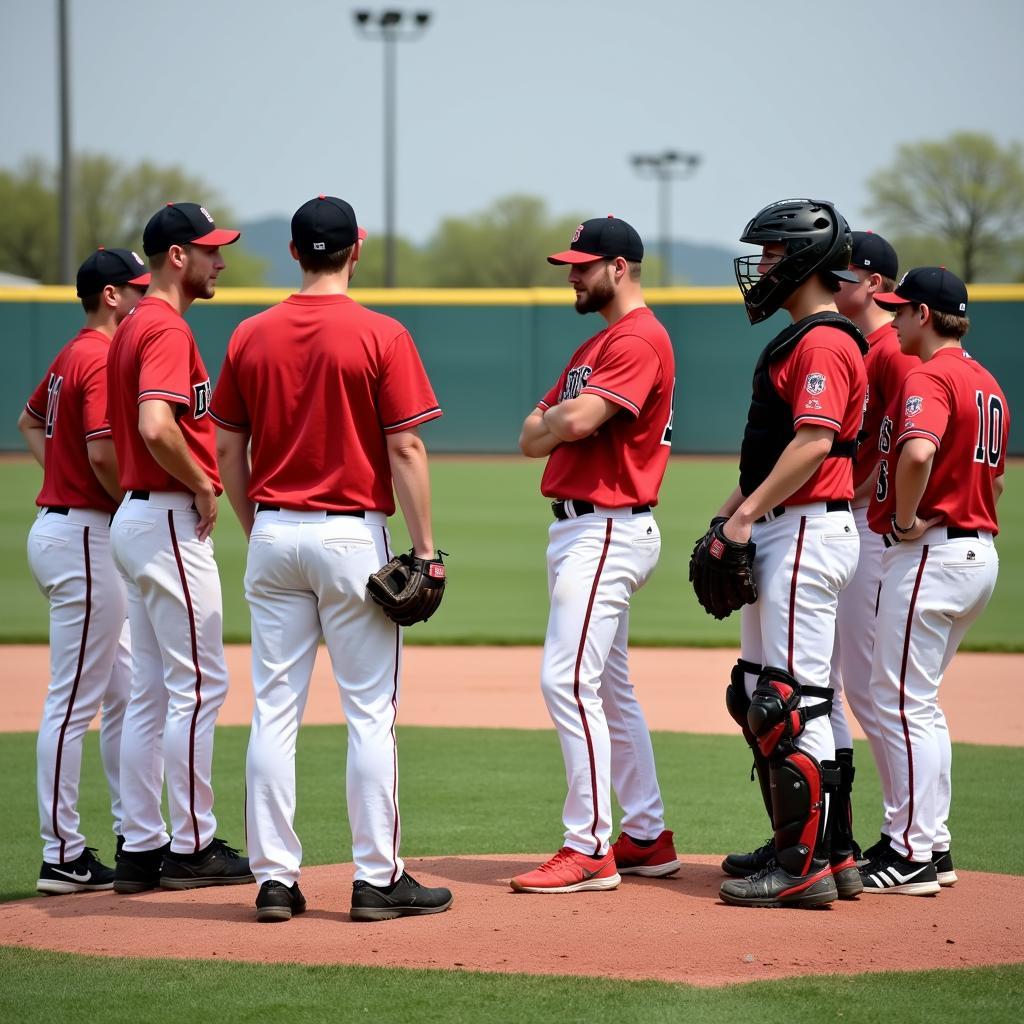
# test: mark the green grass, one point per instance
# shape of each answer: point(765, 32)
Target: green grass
point(465, 792)
point(144, 990)
point(450, 779)
point(491, 516)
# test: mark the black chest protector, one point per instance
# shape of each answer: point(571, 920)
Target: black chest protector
point(770, 420)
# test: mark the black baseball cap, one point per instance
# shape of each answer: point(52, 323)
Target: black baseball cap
point(601, 238)
point(875, 254)
point(181, 224)
point(935, 287)
point(325, 224)
point(110, 266)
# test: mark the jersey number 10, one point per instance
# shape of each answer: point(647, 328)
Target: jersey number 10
point(990, 428)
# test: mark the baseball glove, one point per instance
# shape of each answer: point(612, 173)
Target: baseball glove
point(722, 572)
point(408, 588)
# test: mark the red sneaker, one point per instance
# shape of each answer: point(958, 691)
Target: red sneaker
point(570, 871)
point(655, 861)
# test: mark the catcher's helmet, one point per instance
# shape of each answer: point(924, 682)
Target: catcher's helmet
point(817, 239)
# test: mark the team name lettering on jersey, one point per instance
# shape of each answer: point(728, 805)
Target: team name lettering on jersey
point(575, 381)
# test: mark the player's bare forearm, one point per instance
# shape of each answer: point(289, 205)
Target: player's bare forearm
point(103, 460)
point(166, 443)
point(535, 439)
point(731, 503)
point(998, 486)
point(35, 435)
point(800, 458)
point(913, 470)
point(577, 418)
point(410, 472)
point(235, 471)
point(866, 489)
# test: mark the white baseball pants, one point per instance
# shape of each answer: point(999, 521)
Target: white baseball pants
point(179, 678)
point(69, 556)
point(305, 577)
point(595, 563)
point(804, 558)
point(932, 590)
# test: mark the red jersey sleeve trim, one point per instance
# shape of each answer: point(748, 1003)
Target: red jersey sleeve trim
point(32, 412)
point(919, 432)
point(543, 405)
point(170, 396)
point(612, 396)
point(237, 428)
point(823, 421)
point(95, 435)
point(412, 421)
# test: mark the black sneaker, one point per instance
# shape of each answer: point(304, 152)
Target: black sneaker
point(944, 873)
point(140, 871)
point(83, 874)
point(406, 898)
point(891, 873)
point(773, 886)
point(874, 851)
point(217, 864)
point(740, 865)
point(278, 902)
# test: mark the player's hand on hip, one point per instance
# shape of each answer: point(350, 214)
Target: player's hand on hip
point(737, 530)
point(206, 506)
point(917, 527)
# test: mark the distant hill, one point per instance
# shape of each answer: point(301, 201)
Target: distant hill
point(692, 262)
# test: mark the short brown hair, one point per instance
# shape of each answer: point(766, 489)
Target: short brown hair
point(91, 303)
point(950, 325)
point(888, 284)
point(325, 262)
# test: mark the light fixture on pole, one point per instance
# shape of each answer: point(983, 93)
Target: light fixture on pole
point(390, 26)
point(665, 168)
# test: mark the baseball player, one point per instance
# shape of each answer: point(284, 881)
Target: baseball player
point(876, 266)
point(159, 396)
point(944, 456)
point(331, 396)
point(606, 429)
point(65, 426)
point(793, 503)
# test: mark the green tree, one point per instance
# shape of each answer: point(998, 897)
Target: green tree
point(965, 194)
point(112, 203)
point(504, 246)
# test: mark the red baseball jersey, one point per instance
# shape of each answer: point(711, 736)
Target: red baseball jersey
point(955, 403)
point(631, 364)
point(825, 383)
point(887, 368)
point(71, 400)
point(154, 356)
point(319, 381)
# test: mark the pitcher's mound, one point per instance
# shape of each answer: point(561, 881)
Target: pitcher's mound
point(672, 929)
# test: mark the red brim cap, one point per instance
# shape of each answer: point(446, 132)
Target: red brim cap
point(572, 256)
point(142, 281)
point(218, 236)
point(890, 300)
point(362, 234)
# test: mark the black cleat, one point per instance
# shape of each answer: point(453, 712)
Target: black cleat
point(406, 898)
point(217, 864)
point(279, 902)
point(874, 851)
point(83, 874)
point(943, 861)
point(740, 865)
point(891, 873)
point(773, 886)
point(138, 871)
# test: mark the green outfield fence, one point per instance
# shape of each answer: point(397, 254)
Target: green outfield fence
point(492, 353)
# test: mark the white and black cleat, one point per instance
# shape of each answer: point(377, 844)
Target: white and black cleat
point(891, 873)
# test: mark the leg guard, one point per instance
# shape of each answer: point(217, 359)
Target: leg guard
point(799, 784)
point(738, 704)
point(843, 843)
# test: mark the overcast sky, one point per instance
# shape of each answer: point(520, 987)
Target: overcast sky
point(273, 101)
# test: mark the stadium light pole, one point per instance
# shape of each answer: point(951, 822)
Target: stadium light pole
point(390, 27)
point(665, 168)
point(66, 244)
